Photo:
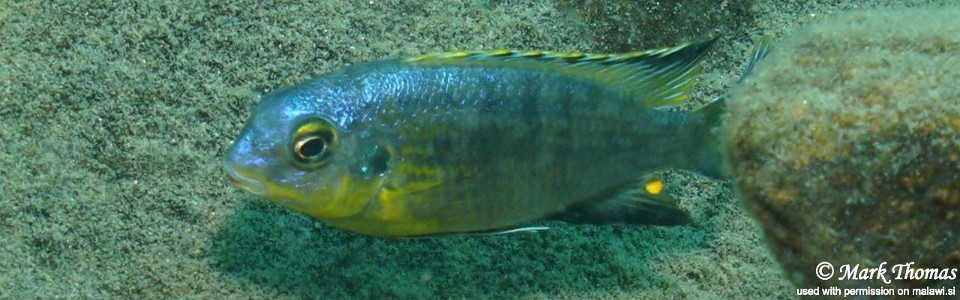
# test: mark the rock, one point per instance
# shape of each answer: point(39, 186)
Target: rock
point(845, 145)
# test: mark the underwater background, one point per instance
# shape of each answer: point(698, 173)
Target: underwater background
point(113, 117)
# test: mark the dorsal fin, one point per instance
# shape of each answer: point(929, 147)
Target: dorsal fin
point(658, 77)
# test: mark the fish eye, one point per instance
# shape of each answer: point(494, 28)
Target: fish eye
point(310, 148)
point(313, 142)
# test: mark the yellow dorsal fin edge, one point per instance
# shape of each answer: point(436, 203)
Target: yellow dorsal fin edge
point(658, 77)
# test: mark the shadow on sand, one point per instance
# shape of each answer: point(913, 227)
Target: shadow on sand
point(292, 255)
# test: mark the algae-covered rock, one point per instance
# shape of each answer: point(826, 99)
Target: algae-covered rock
point(845, 145)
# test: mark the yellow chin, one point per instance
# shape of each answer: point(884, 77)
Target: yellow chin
point(337, 198)
point(345, 198)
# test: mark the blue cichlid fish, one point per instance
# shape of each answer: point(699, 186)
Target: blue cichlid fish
point(477, 141)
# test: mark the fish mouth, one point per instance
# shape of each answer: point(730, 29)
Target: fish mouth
point(246, 183)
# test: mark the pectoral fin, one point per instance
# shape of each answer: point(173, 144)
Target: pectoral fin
point(645, 201)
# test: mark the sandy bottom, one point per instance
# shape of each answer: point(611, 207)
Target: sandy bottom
point(113, 116)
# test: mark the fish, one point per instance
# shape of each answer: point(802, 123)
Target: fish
point(482, 141)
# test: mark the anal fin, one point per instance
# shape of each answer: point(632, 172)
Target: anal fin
point(645, 201)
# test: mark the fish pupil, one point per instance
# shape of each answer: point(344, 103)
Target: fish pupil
point(312, 147)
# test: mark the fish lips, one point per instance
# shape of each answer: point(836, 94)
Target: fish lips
point(246, 183)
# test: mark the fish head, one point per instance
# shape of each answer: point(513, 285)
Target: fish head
point(301, 149)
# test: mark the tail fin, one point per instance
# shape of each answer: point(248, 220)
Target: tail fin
point(709, 160)
point(760, 51)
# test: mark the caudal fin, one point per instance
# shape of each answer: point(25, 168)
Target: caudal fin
point(709, 160)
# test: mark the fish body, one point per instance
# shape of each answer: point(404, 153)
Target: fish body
point(474, 141)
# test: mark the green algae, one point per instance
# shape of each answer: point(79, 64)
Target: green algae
point(845, 144)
